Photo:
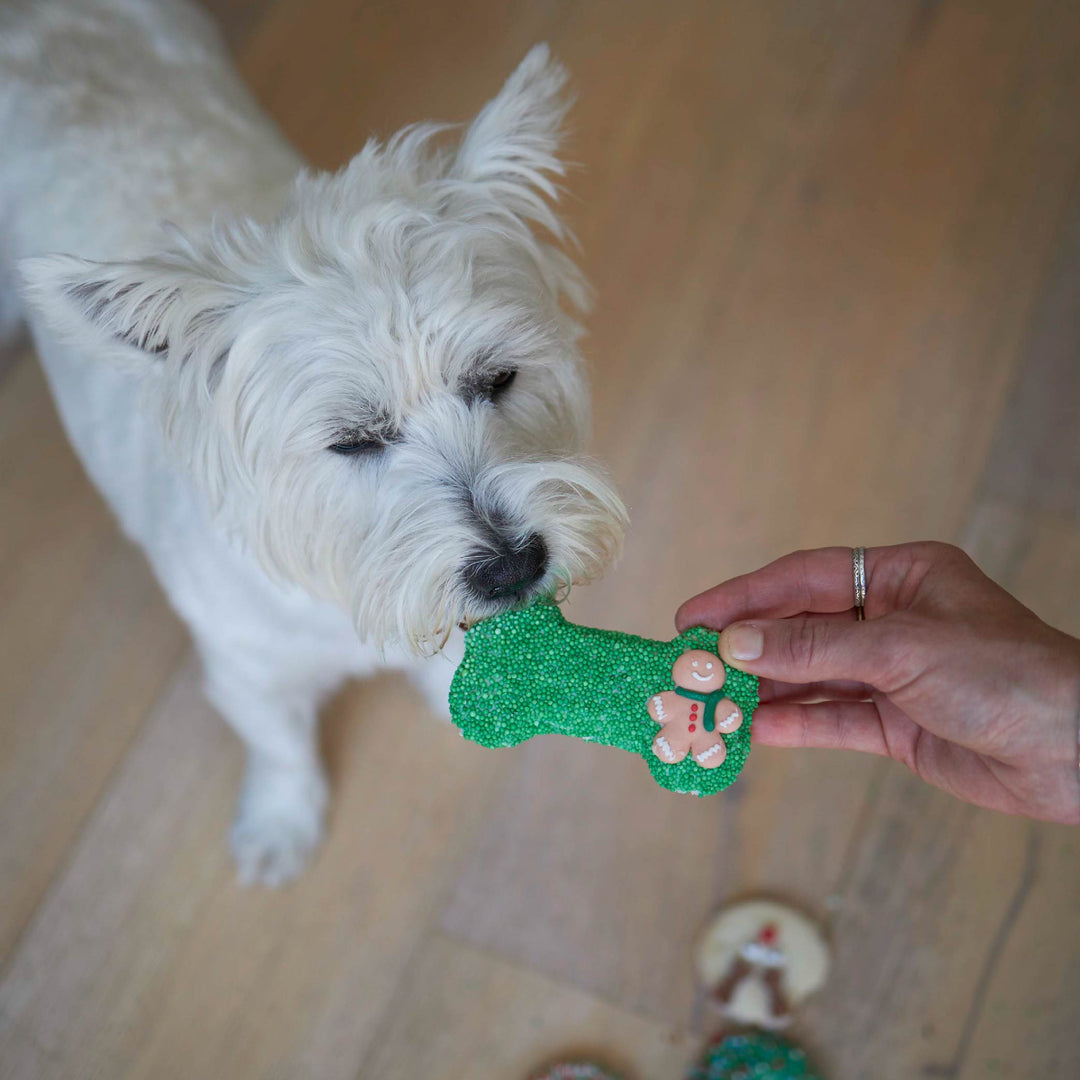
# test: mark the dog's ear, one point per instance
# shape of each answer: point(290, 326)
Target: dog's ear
point(512, 145)
point(172, 303)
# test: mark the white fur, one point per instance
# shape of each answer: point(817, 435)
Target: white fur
point(211, 316)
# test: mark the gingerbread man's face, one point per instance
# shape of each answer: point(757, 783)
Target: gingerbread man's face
point(694, 716)
point(699, 670)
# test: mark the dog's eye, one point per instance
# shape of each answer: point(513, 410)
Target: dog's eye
point(502, 379)
point(485, 383)
point(356, 443)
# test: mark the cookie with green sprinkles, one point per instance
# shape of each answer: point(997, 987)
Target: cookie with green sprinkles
point(752, 1055)
point(675, 703)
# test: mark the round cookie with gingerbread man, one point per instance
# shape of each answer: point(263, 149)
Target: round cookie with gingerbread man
point(696, 714)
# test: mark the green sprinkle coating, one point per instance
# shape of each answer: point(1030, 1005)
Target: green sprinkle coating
point(530, 672)
point(753, 1055)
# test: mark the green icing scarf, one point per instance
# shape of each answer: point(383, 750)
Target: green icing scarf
point(708, 718)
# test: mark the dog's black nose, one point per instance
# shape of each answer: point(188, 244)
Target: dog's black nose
point(494, 575)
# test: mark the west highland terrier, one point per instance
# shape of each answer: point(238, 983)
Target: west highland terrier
point(342, 413)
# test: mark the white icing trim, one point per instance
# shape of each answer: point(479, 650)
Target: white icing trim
point(727, 724)
point(665, 746)
point(763, 955)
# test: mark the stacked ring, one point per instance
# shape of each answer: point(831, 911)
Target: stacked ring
point(858, 569)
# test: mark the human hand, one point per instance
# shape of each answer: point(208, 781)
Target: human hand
point(949, 674)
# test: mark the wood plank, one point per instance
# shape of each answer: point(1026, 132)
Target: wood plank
point(958, 924)
point(1026, 1026)
point(584, 872)
point(987, 990)
point(847, 368)
point(381, 66)
point(86, 639)
point(841, 318)
point(146, 959)
point(466, 1015)
point(86, 643)
point(1036, 556)
point(817, 231)
point(934, 884)
point(1023, 1022)
point(1035, 458)
point(986, 983)
point(238, 19)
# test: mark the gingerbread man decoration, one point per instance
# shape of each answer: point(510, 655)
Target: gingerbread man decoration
point(696, 714)
point(764, 959)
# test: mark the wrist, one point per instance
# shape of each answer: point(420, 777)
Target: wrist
point(1073, 700)
point(1068, 722)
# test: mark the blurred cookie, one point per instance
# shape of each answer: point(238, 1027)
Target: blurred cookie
point(759, 960)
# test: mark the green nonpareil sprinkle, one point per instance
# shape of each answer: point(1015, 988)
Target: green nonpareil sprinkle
point(753, 1055)
point(530, 672)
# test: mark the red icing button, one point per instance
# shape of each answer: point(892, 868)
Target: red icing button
point(693, 727)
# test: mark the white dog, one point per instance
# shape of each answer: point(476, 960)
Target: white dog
point(341, 413)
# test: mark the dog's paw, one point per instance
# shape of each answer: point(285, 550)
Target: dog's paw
point(279, 824)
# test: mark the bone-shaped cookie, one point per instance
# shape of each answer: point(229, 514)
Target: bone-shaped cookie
point(530, 672)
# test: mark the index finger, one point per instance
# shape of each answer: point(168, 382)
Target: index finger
point(817, 581)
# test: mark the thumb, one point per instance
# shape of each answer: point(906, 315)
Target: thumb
point(811, 648)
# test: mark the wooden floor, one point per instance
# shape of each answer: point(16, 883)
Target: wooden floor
point(836, 247)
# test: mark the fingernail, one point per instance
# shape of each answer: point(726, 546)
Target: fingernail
point(744, 641)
